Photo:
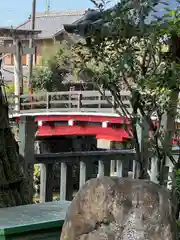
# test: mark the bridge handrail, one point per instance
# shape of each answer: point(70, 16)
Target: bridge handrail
point(85, 160)
point(122, 153)
point(66, 101)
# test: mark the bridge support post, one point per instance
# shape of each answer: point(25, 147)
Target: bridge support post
point(100, 168)
point(82, 177)
point(86, 171)
point(63, 181)
point(27, 130)
point(43, 179)
point(113, 165)
point(119, 168)
point(66, 182)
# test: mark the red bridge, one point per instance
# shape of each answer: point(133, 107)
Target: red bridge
point(74, 113)
point(107, 126)
point(80, 113)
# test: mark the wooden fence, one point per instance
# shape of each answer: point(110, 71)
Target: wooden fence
point(110, 162)
point(67, 101)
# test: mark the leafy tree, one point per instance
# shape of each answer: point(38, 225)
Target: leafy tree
point(126, 47)
point(55, 66)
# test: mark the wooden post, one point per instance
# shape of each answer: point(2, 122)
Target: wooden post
point(153, 173)
point(99, 98)
point(69, 98)
point(119, 168)
point(66, 182)
point(130, 174)
point(113, 162)
point(100, 168)
point(43, 181)
point(46, 179)
point(79, 101)
point(47, 101)
point(27, 129)
point(82, 177)
point(63, 181)
point(134, 169)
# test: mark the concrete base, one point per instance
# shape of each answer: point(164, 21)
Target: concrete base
point(108, 144)
point(104, 144)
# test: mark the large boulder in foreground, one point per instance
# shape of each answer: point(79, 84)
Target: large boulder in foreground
point(112, 208)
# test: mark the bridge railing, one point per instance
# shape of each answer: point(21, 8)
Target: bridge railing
point(85, 101)
point(119, 163)
point(109, 162)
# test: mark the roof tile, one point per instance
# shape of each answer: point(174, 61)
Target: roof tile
point(50, 23)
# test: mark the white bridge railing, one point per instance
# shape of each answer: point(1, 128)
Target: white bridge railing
point(67, 101)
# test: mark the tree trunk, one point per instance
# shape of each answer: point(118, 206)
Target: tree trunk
point(13, 185)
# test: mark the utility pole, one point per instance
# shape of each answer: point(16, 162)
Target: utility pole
point(31, 43)
point(18, 76)
point(48, 5)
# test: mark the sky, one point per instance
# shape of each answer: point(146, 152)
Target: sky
point(14, 12)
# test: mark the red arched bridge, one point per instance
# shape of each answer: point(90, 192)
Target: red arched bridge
point(75, 113)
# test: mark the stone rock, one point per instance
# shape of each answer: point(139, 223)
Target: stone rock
point(112, 208)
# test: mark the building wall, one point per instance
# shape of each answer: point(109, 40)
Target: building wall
point(9, 60)
point(39, 44)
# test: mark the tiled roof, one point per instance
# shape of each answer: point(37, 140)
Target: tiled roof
point(51, 23)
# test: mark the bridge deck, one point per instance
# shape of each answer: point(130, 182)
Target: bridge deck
point(58, 113)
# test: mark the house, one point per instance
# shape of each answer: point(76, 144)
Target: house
point(52, 30)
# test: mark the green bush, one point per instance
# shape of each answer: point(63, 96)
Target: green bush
point(36, 178)
point(36, 171)
point(56, 65)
